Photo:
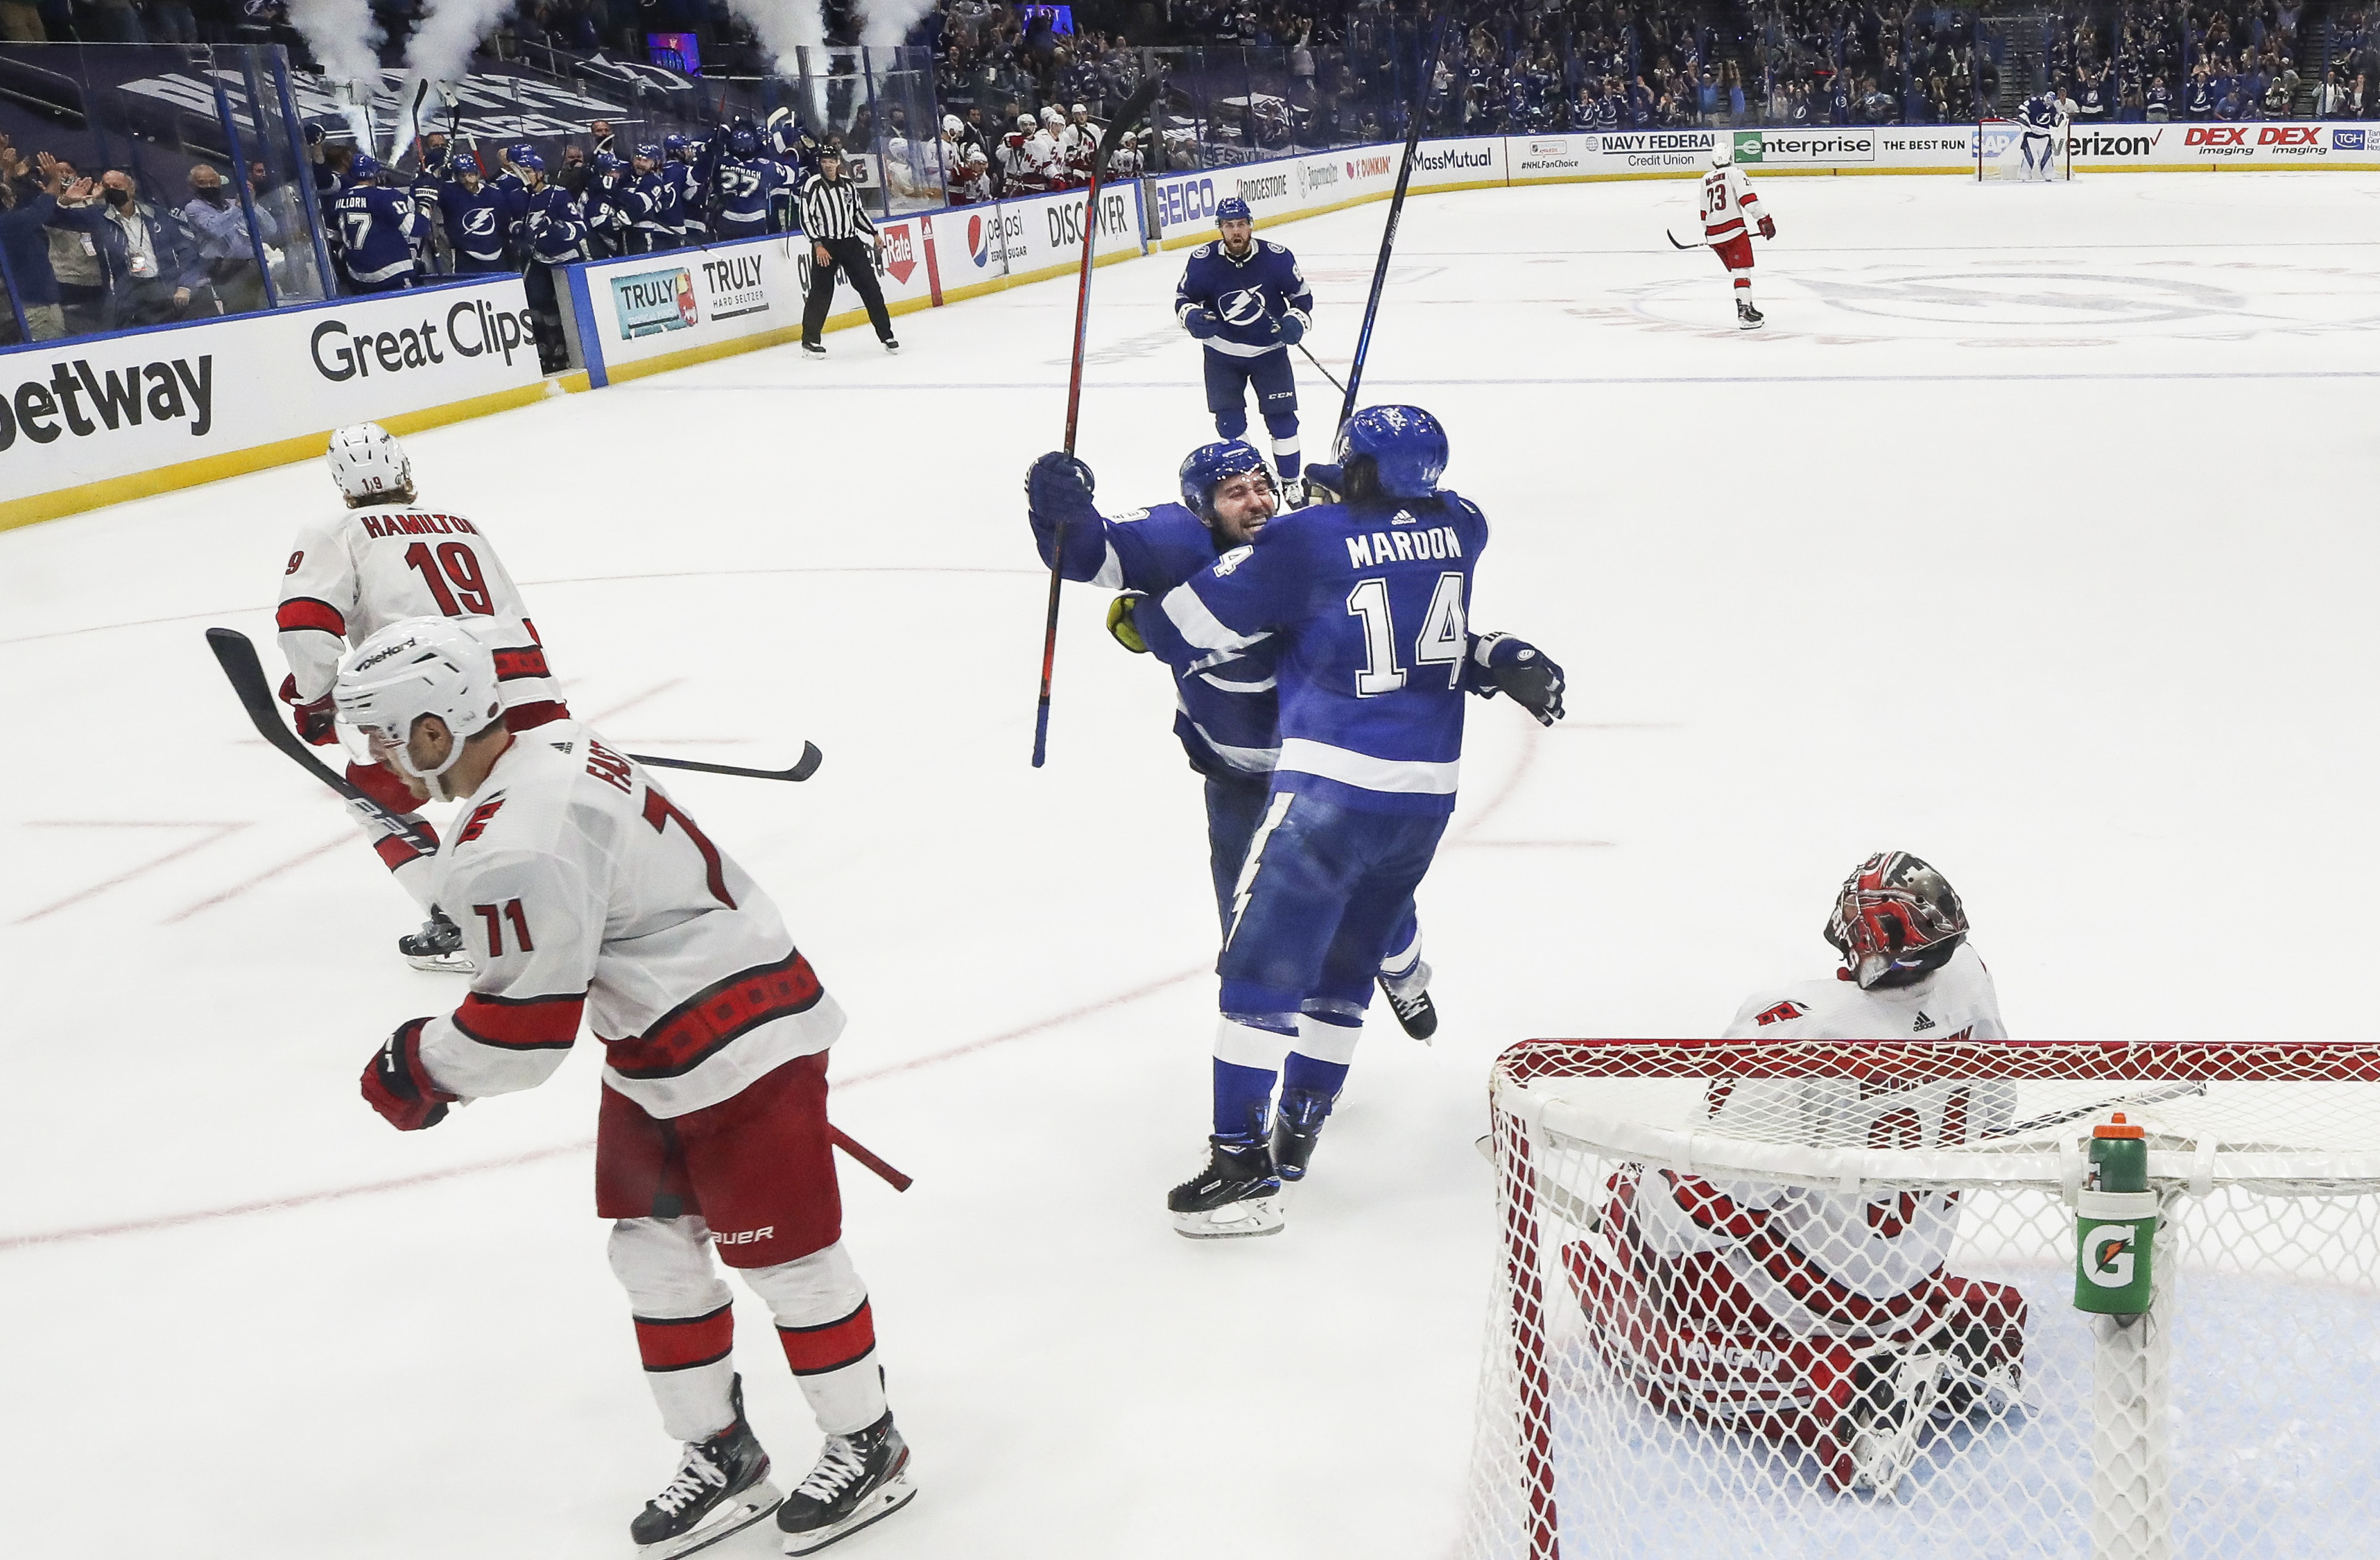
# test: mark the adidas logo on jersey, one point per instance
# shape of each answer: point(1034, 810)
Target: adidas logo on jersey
point(1923, 1023)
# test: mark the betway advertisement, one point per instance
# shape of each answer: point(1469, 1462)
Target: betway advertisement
point(98, 408)
point(639, 313)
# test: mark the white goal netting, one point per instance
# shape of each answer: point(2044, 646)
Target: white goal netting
point(1817, 1300)
point(2002, 152)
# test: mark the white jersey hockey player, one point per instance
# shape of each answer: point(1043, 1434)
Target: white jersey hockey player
point(1825, 1317)
point(1031, 158)
point(589, 895)
point(1728, 203)
point(385, 557)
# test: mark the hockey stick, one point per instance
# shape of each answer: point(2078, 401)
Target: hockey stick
point(859, 1151)
point(1396, 214)
point(237, 658)
point(803, 768)
point(1323, 372)
point(1134, 106)
point(1675, 243)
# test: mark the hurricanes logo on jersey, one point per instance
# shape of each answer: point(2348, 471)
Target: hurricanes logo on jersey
point(1245, 307)
point(1784, 1012)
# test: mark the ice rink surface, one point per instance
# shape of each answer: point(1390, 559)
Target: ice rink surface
point(2033, 535)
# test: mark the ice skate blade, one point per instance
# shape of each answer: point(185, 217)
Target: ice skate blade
point(1257, 1215)
point(727, 1521)
point(1750, 324)
point(881, 1502)
point(443, 964)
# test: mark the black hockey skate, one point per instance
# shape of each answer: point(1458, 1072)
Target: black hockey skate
point(860, 1478)
point(722, 1487)
point(1890, 1413)
point(1409, 1000)
point(1297, 1127)
point(1747, 318)
point(890, 345)
point(438, 945)
point(1236, 1194)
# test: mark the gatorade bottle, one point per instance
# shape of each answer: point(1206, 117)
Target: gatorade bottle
point(2116, 1223)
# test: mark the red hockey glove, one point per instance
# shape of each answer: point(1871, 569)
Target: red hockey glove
point(313, 720)
point(397, 1085)
point(1768, 227)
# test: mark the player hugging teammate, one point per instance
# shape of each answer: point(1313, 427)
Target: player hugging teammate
point(1246, 301)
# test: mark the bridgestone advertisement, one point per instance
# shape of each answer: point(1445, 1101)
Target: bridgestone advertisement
point(98, 408)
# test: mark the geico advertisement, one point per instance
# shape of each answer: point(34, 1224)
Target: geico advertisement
point(80, 411)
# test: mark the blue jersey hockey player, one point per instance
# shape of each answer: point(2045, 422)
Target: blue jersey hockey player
point(1369, 598)
point(686, 186)
point(1247, 303)
point(377, 229)
point(2038, 139)
point(654, 220)
point(479, 218)
point(1226, 709)
point(745, 185)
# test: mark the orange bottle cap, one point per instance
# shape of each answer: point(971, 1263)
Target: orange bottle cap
point(2118, 1127)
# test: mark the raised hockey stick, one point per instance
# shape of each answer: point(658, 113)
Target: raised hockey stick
point(1396, 214)
point(1134, 106)
point(859, 1151)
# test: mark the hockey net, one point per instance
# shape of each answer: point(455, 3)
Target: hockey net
point(2000, 153)
point(1817, 1298)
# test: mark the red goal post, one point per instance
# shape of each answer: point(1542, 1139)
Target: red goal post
point(1634, 1402)
point(1999, 151)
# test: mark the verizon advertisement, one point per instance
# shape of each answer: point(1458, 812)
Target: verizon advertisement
point(88, 409)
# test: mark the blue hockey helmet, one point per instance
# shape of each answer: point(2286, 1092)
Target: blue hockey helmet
point(674, 144)
point(1230, 208)
point(527, 161)
point(521, 149)
point(607, 164)
point(743, 143)
point(1210, 466)
point(1403, 446)
point(650, 150)
point(365, 167)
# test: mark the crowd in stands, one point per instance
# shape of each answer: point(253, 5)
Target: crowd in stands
point(1016, 106)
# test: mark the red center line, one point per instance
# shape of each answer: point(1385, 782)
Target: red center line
point(220, 830)
point(536, 1156)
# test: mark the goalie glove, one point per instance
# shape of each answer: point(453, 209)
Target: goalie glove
point(1768, 227)
point(313, 721)
point(1523, 672)
point(399, 1086)
point(1119, 622)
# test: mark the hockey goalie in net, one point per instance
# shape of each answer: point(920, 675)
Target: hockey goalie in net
point(1819, 1319)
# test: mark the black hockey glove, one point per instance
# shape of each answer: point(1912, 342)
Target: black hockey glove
point(1525, 673)
point(399, 1086)
point(1119, 622)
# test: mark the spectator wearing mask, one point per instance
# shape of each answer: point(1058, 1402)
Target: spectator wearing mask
point(226, 253)
point(25, 243)
point(147, 267)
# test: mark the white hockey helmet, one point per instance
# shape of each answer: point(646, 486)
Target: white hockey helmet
point(1722, 152)
point(369, 465)
point(1027, 123)
point(1049, 116)
point(414, 667)
point(953, 125)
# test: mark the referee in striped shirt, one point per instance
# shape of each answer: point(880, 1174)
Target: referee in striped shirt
point(832, 220)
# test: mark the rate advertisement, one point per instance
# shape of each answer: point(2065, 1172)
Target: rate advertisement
point(96, 407)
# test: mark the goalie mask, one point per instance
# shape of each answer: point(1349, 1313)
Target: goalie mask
point(1896, 921)
point(414, 667)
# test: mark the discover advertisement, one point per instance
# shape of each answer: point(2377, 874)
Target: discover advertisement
point(141, 403)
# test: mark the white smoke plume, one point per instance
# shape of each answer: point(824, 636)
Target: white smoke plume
point(439, 51)
point(346, 39)
point(885, 24)
point(784, 26)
